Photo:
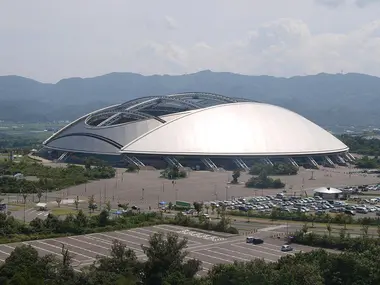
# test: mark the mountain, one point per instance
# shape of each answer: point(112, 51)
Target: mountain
point(327, 99)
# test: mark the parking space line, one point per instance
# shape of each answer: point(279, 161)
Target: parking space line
point(59, 247)
point(93, 244)
point(206, 262)
point(250, 255)
point(143, 234)
point(119, 232)
point(6, 253)
point(272, 249)
point(193, 231)
point(81, 248)
point(228, 255)
point(98, 239)
point(170, 231)
point(201, 246)
point(120, 239)
point(211, 256)
point(43, 249)
point(253, 249)
point(11, 247)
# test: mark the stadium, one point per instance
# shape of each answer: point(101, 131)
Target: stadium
point(199, 131)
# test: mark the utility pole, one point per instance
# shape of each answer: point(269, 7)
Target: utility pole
point(100, 198)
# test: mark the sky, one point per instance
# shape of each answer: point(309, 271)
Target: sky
point(50, 40)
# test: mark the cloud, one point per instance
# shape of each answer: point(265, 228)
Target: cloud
point(338, 3)
point(170, 23)
point(284, 47)
point(331, 3)
point(364, 3)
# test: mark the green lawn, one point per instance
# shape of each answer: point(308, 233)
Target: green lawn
point(63, 211)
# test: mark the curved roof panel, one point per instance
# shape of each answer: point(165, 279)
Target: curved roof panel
point(242, 128)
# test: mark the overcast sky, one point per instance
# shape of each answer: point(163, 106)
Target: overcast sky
point(49, 40)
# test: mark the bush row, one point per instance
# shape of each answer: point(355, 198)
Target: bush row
point(339, 218)
point(341, 242)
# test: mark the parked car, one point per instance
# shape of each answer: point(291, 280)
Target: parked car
point(254, 240)
point(286, 247)
point(349, 212)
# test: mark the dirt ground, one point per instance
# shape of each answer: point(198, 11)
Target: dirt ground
point(146, 188)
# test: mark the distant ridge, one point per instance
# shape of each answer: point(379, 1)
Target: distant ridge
point(327, 99)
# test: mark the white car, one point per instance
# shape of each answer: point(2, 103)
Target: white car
point(286, 247)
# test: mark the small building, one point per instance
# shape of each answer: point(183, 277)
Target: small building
point(328, 193)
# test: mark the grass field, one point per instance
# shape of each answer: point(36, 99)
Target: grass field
point(63, 211)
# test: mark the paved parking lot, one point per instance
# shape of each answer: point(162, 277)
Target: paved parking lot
point(207, 247)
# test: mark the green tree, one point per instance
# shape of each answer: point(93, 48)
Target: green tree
point(235, 176)
point(329, 229)
point(166, 256)
point(121, 265)
point(305, 228)
point(198, 206)
point(170, 206)
point(76, 202)
point(58, 200)
point(39, 194)
point(364, 229)
point(108, 206)
point(91, 203)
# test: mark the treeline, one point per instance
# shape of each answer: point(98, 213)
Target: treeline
point(12, 230)
point(361, 145)
point(366, 162)
point(8, 142)
point(48, 178)
point(168, 263)
point(275, 169)
point(262, 181)
point(339, 218)
point(343, 241)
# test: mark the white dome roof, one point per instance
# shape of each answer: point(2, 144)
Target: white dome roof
point(327, 190)
point(243, 128)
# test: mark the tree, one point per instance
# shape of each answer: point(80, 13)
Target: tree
point(108, 206)
point(198, 206)
point(218, 212)
point(213, 206)
point(207, 207)
point(249, 214)
point(91, 204)
point(235, 176)
point(39, 194)
point(329, 228)
point(170, 206)
point(166, 256)
point(24, 197)
point(121, 262)
point(305, 228)
point(58, 200)
point(103, 218)
point(364, 230)
point(76, 202)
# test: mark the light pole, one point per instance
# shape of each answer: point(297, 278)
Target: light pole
point(176, 194)
point(142, 193)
